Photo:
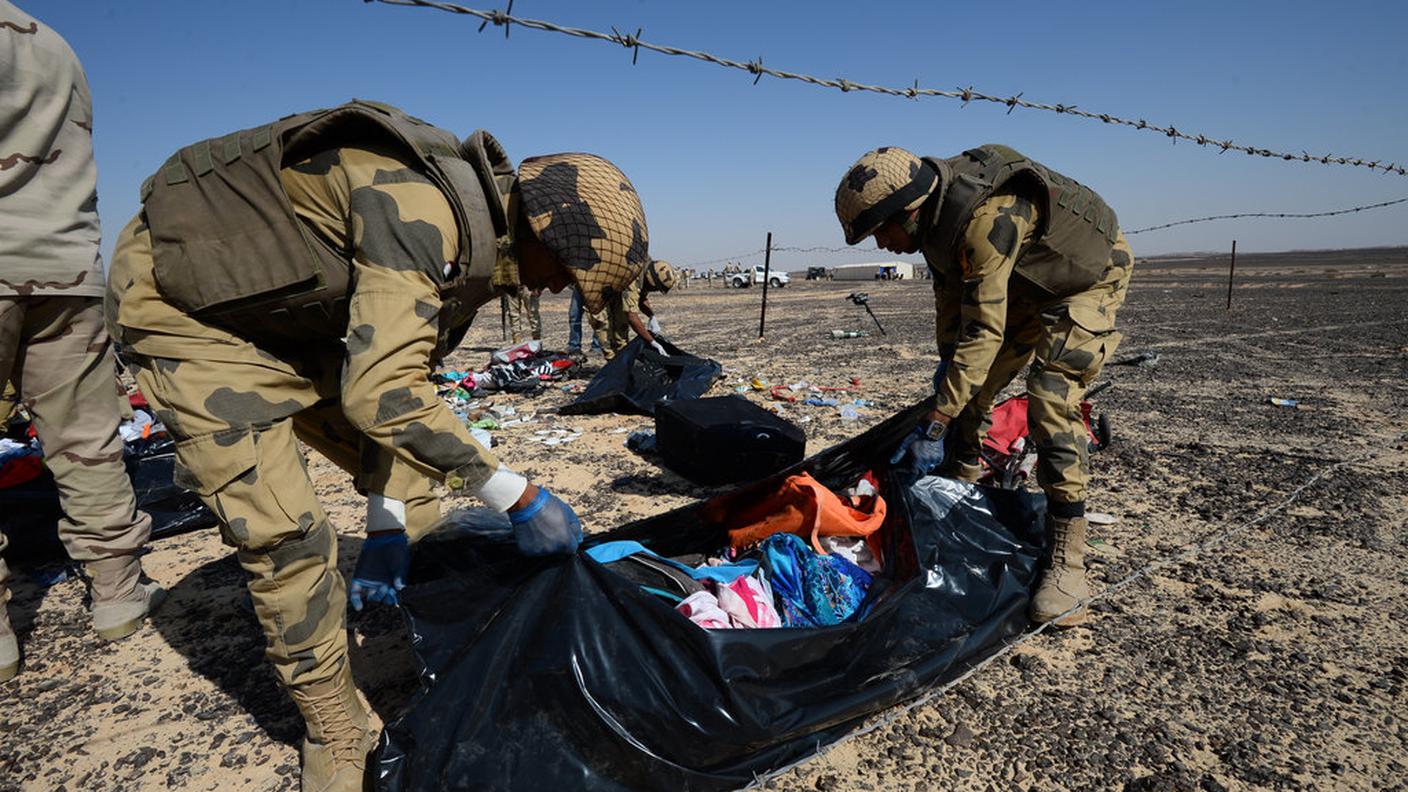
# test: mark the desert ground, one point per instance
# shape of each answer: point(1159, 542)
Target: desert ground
point(1272, 660)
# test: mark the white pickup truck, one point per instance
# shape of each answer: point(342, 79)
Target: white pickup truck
point(776, 279)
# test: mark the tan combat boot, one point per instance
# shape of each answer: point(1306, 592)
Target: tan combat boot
point(120, 599)
point(1064, 583)
point(9, 647)
point(335, 750)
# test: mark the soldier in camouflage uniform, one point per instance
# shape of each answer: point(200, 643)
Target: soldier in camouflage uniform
point(525, 321)
point(613, 326)
point(1029, 267)
point(297, 281)
point(52, 340)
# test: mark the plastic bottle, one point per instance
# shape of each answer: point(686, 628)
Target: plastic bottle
point(849, 334)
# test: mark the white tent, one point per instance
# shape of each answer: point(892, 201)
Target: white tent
point(874, 271)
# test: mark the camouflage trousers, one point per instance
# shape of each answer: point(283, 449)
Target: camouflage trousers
point(1066, 341)
point(237, 412)
point(525, 321)
point(611, 329)
point(56, 351)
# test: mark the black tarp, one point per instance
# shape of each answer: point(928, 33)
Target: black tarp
point(29, 513)
point(543, 674)
point(638, 377)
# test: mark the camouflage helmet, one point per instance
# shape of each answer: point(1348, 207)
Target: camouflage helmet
point(881, 184)
point(661, 276)
point(587, 213)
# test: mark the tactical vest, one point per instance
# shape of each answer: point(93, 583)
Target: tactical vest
point(1071, 247)
point(228, 248)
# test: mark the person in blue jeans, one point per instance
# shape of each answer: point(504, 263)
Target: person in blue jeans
point(576, 312)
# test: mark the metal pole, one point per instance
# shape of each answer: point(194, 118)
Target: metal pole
point(503, 316)
point(767, 272)
point(1232, 267)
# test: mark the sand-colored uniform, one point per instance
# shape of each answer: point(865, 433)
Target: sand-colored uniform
point(237, 407)
point(53, 343)
point(610, 326)
point(992, 321)
point(525, 320)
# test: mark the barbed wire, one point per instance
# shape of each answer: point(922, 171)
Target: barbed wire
point(633, 42)
point(1267, 214)
point(1210, 218)
point(782, 249)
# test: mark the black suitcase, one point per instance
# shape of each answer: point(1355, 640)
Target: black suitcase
point(725, 439)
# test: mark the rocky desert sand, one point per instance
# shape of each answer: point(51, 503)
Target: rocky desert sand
point(1273, 660)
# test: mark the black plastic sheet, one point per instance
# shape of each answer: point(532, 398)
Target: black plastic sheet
point(30, 512)
point(638, 377)
point(543, 674)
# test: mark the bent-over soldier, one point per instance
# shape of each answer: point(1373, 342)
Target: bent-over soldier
point(631, 311)
point(297, 281)
point(1029, 266)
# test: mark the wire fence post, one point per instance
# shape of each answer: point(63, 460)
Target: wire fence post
point(1231, 267)
point(767, 276)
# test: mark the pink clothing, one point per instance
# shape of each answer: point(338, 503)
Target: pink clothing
point(743, 604)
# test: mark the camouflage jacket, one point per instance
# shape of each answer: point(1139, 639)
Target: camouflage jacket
point(49, 230)
point(230, 248)
point(1077, 230)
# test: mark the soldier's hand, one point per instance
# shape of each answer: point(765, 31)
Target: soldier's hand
point(545, 525)
point(659, 348)
point(919, 452)
point(381, 569)
point(653, 326)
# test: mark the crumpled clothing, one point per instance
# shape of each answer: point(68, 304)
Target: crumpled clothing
point(702, 608)
point(746, 603)
point(853, 549)
point(813, 590)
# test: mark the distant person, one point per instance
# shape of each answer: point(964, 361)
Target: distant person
point(1029, 266)
point(296, 282)
point(52, 339)
point(576, 313)
point(631, 310)
point(525, 320)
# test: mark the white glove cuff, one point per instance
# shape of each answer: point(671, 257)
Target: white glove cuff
point(385, 514)
point(503, 489)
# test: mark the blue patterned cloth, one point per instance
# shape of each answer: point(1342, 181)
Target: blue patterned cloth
point(812, 590)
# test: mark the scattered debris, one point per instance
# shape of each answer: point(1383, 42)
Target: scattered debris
point(1142, 360)
point(1100, 518)
point(1279, 402)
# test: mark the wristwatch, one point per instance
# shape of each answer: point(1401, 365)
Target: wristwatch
point(935, 430)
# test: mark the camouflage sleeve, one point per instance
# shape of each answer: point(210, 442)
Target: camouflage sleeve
point(403, 233)
point(995, 235)
point(946, 290)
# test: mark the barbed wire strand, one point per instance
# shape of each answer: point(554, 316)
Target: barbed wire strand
point(1186, 553)
point(1208, 219)
point(1266, 214)
point(633, 42)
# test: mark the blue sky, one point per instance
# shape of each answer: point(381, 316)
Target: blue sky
point(719, 162)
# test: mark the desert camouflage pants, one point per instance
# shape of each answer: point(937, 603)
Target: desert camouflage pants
point(237, 412)
point(56, 350)
point(611, 329)
point(525, 321)
point(1067, 341)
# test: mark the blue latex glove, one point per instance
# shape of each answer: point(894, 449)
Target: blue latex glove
point(939, 373)
point(546, 526)
point(923, 454)
point(381, 569)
